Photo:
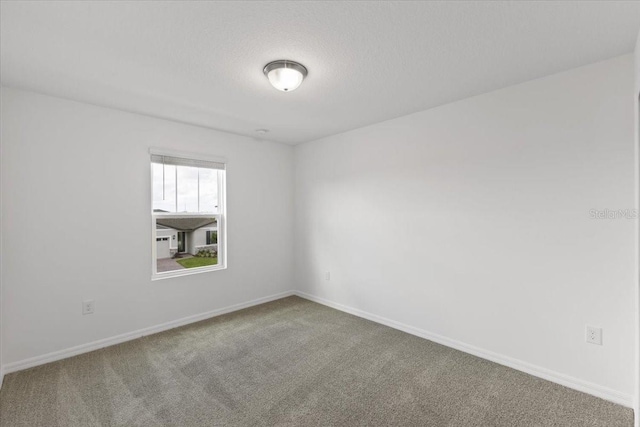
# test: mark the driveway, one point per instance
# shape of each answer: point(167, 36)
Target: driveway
point(168, 264)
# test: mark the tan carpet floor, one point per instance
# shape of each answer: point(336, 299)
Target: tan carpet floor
point(290, 362)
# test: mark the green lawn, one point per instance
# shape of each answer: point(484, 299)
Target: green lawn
point(197, 262)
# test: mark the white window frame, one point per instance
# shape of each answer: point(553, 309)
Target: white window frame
point(221, 217)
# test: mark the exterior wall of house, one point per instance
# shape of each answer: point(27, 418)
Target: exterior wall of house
point(190, 246)
point(197, 239)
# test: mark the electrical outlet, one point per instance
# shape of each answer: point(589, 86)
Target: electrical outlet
point(88, 306)
point(327, 276)
point(594, 335)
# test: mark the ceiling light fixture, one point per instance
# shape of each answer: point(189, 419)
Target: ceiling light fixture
point(285, 75)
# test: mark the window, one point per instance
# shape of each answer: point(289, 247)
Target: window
point(212, 237)
point(188, 214)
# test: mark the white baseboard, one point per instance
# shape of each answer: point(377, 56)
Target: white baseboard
point(537, 371)
point(95, 345)
point(547, 374)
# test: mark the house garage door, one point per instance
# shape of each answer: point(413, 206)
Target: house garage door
point(162, 247)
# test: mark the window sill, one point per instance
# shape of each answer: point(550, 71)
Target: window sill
point(186, 272)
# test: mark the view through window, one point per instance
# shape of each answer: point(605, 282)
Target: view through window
point(188, 198)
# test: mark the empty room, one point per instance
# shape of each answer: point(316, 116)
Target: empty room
point(319, 213)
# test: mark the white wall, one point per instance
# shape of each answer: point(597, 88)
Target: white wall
point(471, 221)
point(77, 170)
point(636, 126)
point(1, 322)
point(199, 237)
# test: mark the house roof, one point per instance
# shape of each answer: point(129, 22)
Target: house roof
point(185, 224)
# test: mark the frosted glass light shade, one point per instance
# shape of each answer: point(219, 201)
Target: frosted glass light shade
point(285, 75)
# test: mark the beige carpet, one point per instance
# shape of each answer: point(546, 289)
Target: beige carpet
point(290, 363)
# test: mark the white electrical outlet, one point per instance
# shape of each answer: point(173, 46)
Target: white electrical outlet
point(88, 306)
point(594, 335)
point(327, 276)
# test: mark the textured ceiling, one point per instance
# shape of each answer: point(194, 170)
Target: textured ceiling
point(201, 62)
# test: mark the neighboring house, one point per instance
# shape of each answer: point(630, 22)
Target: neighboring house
point(185, 235)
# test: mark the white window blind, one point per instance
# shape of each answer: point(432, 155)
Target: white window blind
point(179, 161)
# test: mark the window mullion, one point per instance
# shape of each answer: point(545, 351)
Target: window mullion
point(176, 209)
